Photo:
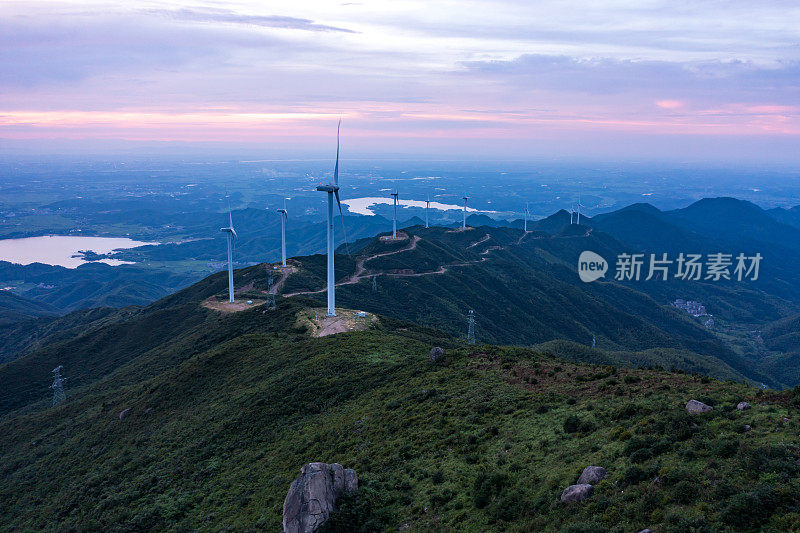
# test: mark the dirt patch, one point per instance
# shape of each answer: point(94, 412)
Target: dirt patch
point(224, 306)
point(319, 324)
point(401, 236)
point(459, 230)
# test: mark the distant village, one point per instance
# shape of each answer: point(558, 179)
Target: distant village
point(696, 309)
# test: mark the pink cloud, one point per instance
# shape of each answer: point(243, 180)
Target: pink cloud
point(669, 104)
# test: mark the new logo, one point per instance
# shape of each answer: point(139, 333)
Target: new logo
point(591, 266)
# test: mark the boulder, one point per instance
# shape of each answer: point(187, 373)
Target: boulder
point(576, 493)
point(436, 354)
point(124, 413)
point(695, 408)
point(648, 530)
point(747, 427)
point(312, 497)
point(592, 475)
point(742, 406)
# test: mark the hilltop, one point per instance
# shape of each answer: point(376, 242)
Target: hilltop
point(180, 417)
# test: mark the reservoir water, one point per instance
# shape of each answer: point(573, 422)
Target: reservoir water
point(59, 249)
point(362, 206)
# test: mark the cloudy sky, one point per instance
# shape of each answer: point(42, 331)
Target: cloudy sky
point(477, 78)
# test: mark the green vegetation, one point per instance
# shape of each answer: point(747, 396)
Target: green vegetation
point(222, 416)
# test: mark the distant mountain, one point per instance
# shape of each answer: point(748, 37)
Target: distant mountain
point(733, 220)
point(790, 217)
point(553, 223)
point(645, 227)
point(62, 289)
point(14, 308)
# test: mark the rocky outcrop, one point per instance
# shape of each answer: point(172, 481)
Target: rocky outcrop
point(312, 497)
point(695, 408)
point(436, 354)
point(576, 493)
point(592, 475)
point(742, 406)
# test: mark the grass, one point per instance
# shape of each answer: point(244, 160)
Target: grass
point(483, 440)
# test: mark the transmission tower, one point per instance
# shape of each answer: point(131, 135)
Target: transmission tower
point(471, 330)
point(270, 293)
point(59, 396)
point(374, 283)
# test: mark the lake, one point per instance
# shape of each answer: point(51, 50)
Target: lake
point(59, 249)
point(362, 206)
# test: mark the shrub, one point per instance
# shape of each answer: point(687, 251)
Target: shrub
point(685, 492)
point(358, 513)
point(572, 424)
point(633, 475)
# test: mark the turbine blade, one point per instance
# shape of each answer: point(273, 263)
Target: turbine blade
point(341, 217)
point(336, 168)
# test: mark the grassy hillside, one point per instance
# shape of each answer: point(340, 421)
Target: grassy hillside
point(14, 309)
point(483, 440)
point(525, 290)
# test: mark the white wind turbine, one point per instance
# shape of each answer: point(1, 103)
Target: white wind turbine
point(284, 217)
point(333, 190)
point(464, 220)
point(231, 235)
point(394, 220)
point(427, 209)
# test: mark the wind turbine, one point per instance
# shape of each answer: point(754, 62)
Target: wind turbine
point(571, 213)
point(527, 213)
point(464, 221)
point(284, 217)
point(394, 220)
point(231, 235)
point(427, 208)
point(579, 208)
point(333, 190)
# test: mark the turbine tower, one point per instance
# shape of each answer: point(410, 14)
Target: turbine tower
point(579, 208)
point(394, 220)
point(333, 190)
point(464, 220)
point(571, 213)
point(427, 209)
point(231, 235)
point(284, 217)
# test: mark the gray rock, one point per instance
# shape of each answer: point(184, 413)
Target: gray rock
point(695, 408)
point(436, 354)
point(648, 530)
point(742, 406)
point(592, 475)
point(312, 497)
point(747, 427)
point(124, 413)
point(576, 493)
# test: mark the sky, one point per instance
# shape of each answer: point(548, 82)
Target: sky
point(684, 80)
